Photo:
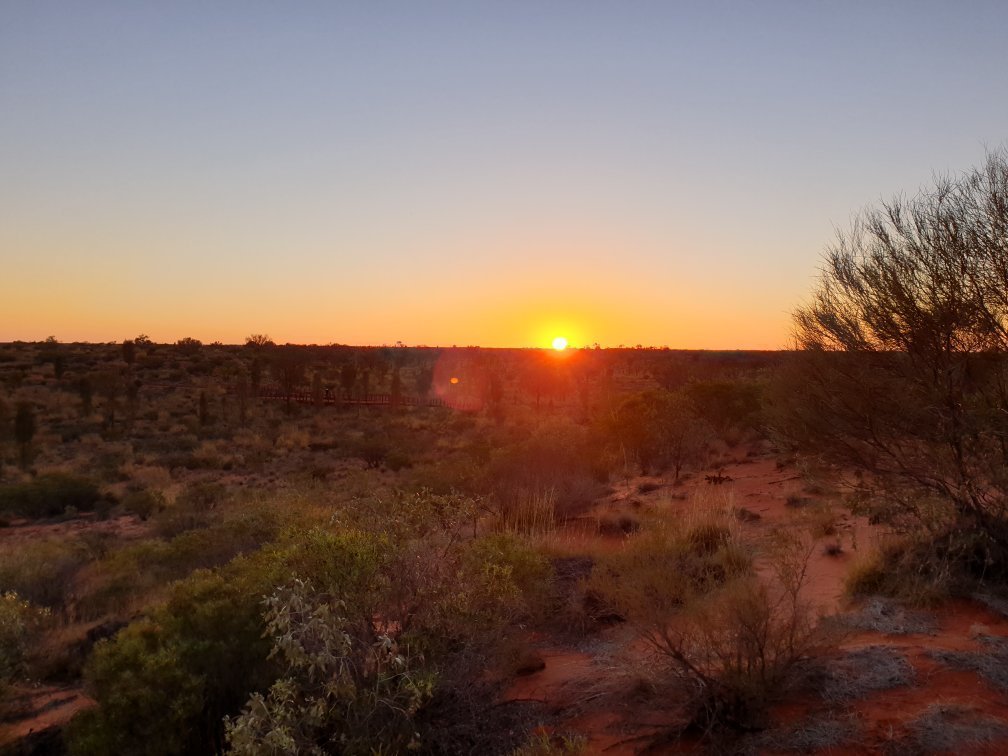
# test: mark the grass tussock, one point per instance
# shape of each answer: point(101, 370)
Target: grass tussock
point(866, 670)
point(953, 729)
point(881, 615)
point(991, 663)
point(529, 513)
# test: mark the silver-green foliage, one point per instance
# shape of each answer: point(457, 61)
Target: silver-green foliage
point(339, 693)
point(18, 621)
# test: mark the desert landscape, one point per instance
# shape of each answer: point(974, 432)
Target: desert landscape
point(503, 378)
point(522, 531)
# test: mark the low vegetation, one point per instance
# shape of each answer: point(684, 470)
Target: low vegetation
point(290, 549)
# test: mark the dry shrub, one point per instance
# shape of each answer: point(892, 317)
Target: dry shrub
point(733, 641)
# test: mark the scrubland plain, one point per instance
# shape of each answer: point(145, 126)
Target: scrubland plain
point(267, 549)
point(273, 549)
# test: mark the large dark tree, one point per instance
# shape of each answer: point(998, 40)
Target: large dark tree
point(903, 363)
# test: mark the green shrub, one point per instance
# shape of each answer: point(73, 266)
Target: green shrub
point(136, 570)
point(404, 568)
point(164, 684)
point(49, 496)
point(339, 693)
point(19, 623)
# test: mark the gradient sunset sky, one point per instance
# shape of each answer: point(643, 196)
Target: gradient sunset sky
point(492, 173)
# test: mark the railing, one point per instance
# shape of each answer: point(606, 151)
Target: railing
point(376, 400)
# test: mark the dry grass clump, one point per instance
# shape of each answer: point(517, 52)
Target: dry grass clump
point(822, 520)
point(618, 525)
point(991, 663)
point(950, 728)
point(810, 736)
point(913, 572)
point(997, 604)
point(882, 615)
point(863, 671)
point(529, 512)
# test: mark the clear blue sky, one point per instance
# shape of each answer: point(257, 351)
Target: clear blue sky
point(465, 172)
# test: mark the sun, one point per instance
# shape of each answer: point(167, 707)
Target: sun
point(559, 343)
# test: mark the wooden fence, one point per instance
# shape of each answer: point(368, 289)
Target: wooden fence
point(375, 400)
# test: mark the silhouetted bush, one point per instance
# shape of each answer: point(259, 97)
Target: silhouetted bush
point(727, 404)
point(902, 360)
point(555, 462)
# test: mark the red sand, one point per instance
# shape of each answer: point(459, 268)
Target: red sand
point(572, 684)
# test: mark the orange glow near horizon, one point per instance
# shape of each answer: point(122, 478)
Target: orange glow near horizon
point(511, 311)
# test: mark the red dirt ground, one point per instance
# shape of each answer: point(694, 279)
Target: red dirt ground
point(590, 695)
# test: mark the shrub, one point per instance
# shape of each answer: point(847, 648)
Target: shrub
point(340, 693)
point(732, 640)
point(49, 496)
point(912, 304)
point(553, 461)
point(164, 683)
point(920, 570)
point(41, 571)
point(143, 503)
point(658, 429)
point(19, 623)
point(404, 568)
point(138, 569)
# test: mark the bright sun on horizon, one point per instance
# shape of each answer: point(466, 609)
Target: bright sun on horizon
point(559, 343)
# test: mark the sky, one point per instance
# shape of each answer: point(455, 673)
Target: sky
point(471, 173)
